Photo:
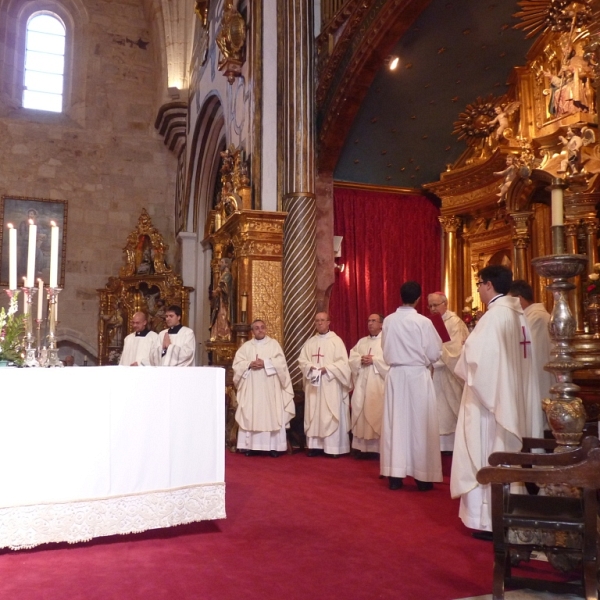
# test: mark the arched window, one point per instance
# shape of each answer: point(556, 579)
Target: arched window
point(43, 81)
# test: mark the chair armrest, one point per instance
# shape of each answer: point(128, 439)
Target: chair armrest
point(541, 460)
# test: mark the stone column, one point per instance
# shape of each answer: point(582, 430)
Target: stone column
point(450, 269)
point(521, 235)
point(576, 296)
point(298, 177)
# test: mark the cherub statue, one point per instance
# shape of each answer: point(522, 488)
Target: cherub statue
point(501, 119)
point(509, 174)
point(573, 144)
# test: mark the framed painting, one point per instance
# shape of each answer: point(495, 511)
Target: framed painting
point(18, 212)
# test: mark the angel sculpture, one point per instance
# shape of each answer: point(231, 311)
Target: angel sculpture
point(509, 175)
point(501, 119)
point(573, 143)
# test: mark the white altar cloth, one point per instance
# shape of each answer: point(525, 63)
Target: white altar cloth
point(104, 450)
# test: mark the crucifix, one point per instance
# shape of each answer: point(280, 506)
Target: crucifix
point(318, 355)
point(524, 342)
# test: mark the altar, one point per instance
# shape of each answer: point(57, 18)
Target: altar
point(89, 452)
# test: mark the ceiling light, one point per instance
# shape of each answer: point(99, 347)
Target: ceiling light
point(392, 62)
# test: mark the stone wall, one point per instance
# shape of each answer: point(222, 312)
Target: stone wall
point(102, 155)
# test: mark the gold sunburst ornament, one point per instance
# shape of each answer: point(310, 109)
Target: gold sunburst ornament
point(473, 124)
point(558, 16)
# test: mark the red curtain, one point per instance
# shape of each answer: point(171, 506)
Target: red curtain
point(388, 239)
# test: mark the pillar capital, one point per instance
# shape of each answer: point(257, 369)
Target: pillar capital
point(451, 224)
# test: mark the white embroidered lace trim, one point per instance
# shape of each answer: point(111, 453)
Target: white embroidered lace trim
point(82, 520)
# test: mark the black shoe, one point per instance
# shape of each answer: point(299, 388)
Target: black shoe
point(313, 452)
point(333, 455)
point(486, 536)
point(396, 483)
point(274, 453)
point(250, 453)
point(424, 486)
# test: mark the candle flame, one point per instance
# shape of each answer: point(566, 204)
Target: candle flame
point(10, 226)
point(53, 223)
point(31, 221)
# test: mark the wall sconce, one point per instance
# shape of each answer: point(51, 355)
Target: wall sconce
point(337, 252)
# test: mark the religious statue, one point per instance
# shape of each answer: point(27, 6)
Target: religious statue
point(222, 300)
point(509, 175)
point(501, 119)
point(573, 143)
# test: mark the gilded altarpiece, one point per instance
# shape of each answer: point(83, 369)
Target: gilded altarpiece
point(145, 283)
point(248, 245)
point(496, 198)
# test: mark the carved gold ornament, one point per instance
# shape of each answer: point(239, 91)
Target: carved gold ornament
point(473, 124)
point(231, 40)
point(558, 16)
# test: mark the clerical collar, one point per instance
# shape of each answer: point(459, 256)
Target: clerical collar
point(323, 334)
point(173, 330)
point(142, 333)
point(496, 298)
point(374, 337)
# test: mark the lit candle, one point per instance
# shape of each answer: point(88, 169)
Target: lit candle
point(31, 254)
point(12, 257)
point(40, 298)
point(556, 195)
point(25, 303)
point(54, 256)
point(244, 302)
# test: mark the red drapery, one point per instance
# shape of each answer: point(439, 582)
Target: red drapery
point(388, 239)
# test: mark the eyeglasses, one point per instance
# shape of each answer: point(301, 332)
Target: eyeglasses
point(480, 283)
point(435, 305)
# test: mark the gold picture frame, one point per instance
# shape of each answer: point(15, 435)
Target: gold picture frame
point(18, 210)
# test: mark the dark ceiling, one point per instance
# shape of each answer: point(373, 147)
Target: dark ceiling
point(455, 52)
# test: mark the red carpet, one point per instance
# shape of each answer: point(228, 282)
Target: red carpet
point(297, 528)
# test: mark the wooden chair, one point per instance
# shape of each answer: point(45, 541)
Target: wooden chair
point(577, 468)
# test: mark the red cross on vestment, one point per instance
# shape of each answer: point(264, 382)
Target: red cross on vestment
point(318, 355)
point(524, 342)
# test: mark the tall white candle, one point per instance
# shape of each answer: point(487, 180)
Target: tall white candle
point(40, 298)
point(54, 256)
point(556, 196)
point(25, 303)
point(12, 257)
point(31, 254)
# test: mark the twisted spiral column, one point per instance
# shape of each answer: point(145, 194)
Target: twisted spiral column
point(296, 64)
point(299, 278)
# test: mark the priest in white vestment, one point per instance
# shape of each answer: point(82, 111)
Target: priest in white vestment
point(264, 394)
point(175, 346)
point(410, 433)
point(368, 373)
point(324, 363)
point(138, 345)
point(448, 387)
point(538, 319)
point(501, 403)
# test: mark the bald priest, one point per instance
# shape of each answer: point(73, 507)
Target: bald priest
point(264, 393)
point(138, 345)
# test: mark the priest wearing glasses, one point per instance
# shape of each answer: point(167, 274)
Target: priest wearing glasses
point(175, 346)
point(501, 403)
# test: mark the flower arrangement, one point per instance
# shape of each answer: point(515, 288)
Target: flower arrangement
point(114, 356)
point(12, 330)
point(469, 314)
point(593, 282)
